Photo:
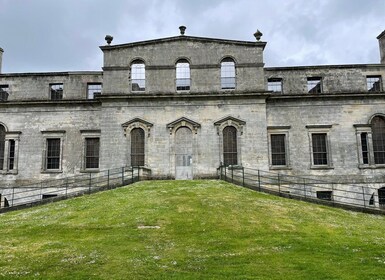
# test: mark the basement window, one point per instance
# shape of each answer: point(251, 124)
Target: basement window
point(324, 195)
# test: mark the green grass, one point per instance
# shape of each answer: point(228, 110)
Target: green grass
point(189, 230)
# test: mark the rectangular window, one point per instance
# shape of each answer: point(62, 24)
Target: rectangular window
point(364, 148)
point(11, 154)
point(320, 152)
point(56, 91)
point(53, 154)
point(92, 152)
point(4, 92)
point(374, 83)
point(94, 90)
point(314, 85)
point(278, 149)
point(324, 195)
point(275, 85)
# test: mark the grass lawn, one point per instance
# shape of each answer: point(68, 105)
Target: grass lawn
point(190, 230)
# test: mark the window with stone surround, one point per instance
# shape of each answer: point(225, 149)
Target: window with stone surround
point(53, 151)
point(314, 85)
point(183, 80)
point(56, 91)
point(278, 146)
point(374, 83)
point(320, 146)
point(9, 146)
point(274, 85)
point(91, 150)
point(228, 73)
point(4, 92)
point(137, 147)
point(138, 76)
point(94, 89)
point(230, 149)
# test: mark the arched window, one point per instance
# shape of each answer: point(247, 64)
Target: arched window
point(2, 146)
point(183, 80)
point(138, 76)
point(378, 136)
point(137, 147)
point(230, 154)
point(228, 73)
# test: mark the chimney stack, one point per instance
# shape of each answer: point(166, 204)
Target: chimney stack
point(1, 58)
point(381, 41)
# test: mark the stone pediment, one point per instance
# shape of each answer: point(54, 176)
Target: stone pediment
point(137, 123)
point(230, 121)
point(173, 126)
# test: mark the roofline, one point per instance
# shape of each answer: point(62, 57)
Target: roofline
point(341, 66)
point(381, 35)
point(186, 38)
point(51, 73)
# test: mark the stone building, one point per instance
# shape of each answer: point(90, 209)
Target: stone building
point(182, 106)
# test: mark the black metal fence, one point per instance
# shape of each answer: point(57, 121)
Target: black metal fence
point(363, 197)
point(57, 189)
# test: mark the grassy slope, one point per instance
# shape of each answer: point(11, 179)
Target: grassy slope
point(207, 230)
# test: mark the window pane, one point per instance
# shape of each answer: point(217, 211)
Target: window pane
point(374, 83)
point(137, 147)
point(378, 135)
point(274, 84)
point(364, 148)
point(183, 75)
point(2, 145)
point(11, 155)
point(230, 155)
point(56, 91)
point(227, 74)
point(138, 76)
point(92, 153)
point(319, 149)
point(4, 92)
point(53, 153)
point(278, 149)
point(93, 90)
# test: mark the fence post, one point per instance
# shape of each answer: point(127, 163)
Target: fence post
point(243, 176)
point(13, 195)
point(279, 185)
point(363, 196)
point(304, 186)
point(66, 186)
point(259, 181)
point(333, 193)
point(220, 172)
point(122, 175)
point(232, 175)
point(225, 174)
point(108, 179)
point(138, 174)
point(89, 183)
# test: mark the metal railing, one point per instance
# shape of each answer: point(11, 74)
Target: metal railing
point(356, 196)
point(58, 189)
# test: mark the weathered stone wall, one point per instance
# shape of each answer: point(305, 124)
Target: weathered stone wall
point(36, 86)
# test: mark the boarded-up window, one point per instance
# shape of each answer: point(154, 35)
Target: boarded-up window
point(137, 147)
point(230, 155)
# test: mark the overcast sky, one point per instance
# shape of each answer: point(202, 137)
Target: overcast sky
point(65, 35)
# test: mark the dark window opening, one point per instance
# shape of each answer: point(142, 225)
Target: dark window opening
point(6, 203)
point(11, 154)
point(364, 148)
point(230, 154)
point(92, 152)
point(324, 195)
point(2, 146)
point(314, 85)
point(371, 200)
point(53, 153)
point(320, 155)
point(278, 149)
point(4, 92)
point(137, 147)
point(378, 138)
point(56, 91)
point(46, 196)
point(381, 197)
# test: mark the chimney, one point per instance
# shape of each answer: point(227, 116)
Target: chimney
point(381, 41)
point(1, 58)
